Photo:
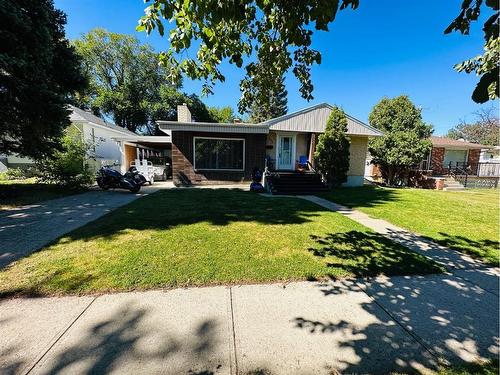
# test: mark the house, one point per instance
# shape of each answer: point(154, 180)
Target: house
point(450, 163)
point(114, 145)
point(205, 153)
point(450, 153)
point(110, 144)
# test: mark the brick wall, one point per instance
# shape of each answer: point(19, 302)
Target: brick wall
point(437, 158)
point(473, 157)
point(182, 159)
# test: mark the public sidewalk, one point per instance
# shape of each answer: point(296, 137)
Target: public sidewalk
point(405, 324)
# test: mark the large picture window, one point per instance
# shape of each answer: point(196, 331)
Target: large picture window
point(219, 153)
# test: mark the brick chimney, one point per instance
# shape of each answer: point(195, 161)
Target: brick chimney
point(183, 113)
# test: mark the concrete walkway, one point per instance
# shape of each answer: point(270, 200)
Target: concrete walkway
point(28, 228)
point(449, 258)
point(407, 324)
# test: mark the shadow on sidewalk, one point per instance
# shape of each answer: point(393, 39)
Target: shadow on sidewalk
point(453, 322)
point(128, 343)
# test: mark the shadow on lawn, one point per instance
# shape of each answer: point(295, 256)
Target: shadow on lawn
point(130, 341)
point(363, 196)
point(487, 250)
point(219, 207)
point(371, 254)
point(444, 320)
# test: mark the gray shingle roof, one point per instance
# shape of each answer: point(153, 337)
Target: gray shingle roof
point(78, 114)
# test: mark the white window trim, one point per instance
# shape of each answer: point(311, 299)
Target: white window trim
point(215, 169)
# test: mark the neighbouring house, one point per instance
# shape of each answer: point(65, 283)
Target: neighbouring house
point(447, 164)
point(110, 144)
point(204, 153)
point(114, 145)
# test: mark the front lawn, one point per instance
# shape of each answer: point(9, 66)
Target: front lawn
point(187, 237)
point(462, 220)
point(14, 193)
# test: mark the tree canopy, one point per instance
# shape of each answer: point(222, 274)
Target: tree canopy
point(222, 114)
point(38, 71)
point(124, 75)
point(332, 151)
point(128, 84)
point(277, 34)
point(484, 130)
point(487, 65)
point(269, 38)
point(405, 141)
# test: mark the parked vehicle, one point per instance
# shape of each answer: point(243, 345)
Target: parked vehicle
point(108, 178)
point(144, 168)
point(134, 174)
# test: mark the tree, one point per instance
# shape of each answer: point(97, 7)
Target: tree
point(38, 71)
point(69, 166)
point(165, 108)
point(332, 150)
point(277, 33)
point(222, 114)
point(485, 130)
point(487, 65)
point(125, 78)
point(267, 101)
point(405, 141)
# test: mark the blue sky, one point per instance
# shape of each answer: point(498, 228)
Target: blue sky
point(383, 48)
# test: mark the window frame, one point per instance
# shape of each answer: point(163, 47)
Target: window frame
point(219, 169)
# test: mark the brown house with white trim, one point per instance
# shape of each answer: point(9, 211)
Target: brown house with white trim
point(220, 153)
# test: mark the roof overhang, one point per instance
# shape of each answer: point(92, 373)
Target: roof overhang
point(143, 139)
point(209, 127)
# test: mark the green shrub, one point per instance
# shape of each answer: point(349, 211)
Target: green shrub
point(15, 174)
point(68, 167)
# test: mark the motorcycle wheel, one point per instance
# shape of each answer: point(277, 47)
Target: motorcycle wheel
point(135, 189)
point(102, 185)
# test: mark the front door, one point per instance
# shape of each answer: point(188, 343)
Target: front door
point(286, 152)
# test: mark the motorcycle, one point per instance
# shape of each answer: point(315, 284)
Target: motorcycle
point(135, 175)
point(108, 178)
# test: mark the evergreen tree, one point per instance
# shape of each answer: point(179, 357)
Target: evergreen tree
point(332, 151)
point(271, 105)
point(39, 70)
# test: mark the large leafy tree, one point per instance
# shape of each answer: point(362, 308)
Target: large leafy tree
point(268, 38)
point(38, 71)
point(486, 65)
point(484, 130)
point(268, 100)
point(125, 78)
point(332, 151)
point(165, 107)
point(405, 141)
point(222, 114)
point(276, 35)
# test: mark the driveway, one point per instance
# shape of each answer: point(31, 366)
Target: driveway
point(28, 228)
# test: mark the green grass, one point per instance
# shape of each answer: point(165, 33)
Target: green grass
point(14, 193)
point(465, 220)
point(486, 368)
point(187, 237)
